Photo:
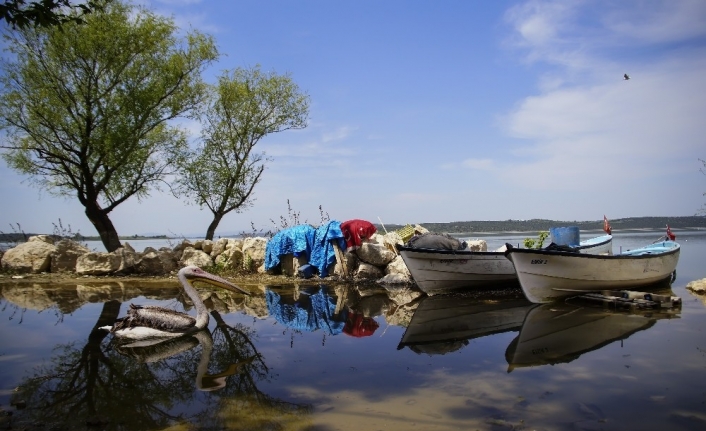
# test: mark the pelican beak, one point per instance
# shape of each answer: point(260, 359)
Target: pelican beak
point(217, 281)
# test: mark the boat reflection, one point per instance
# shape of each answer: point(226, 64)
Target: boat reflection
point(561, 332)
point(445, 323)
point(547, 333)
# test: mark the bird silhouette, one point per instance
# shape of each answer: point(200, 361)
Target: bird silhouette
point(626, 77)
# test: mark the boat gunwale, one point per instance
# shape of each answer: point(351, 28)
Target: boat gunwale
point(621, 256)
point(401, 248)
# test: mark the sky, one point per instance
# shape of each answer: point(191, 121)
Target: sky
point(443, 111)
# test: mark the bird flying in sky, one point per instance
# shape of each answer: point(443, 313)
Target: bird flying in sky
point(626, 77)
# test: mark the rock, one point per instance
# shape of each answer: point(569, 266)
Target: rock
point(477, 245)
point(32, 256)
point(42, 238)
point(697, 286)
point(179, 249)
point(369, 271)
point(230, 258)
point(375, 254)
point(66, 254)
point(128, 247)
point(254, 253)
point(290, 264)
point(218, 247)
point(156, 263)
point(128, 260)
point(207, 246)
point(191, 256)
point(98, 263)
point(398, 267)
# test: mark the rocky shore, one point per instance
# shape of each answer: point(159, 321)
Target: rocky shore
point(41, 257)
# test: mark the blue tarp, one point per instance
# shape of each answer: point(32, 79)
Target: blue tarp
point(315, 244)
point(295, 240)
point(309, 314)
point(322, 253)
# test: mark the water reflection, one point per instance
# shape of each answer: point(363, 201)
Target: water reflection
point(150, 385)
point(548, 333)
point(561, 332)
point(446, 323)
point(314, 308)
point(229, 377)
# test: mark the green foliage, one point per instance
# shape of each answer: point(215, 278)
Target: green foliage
point(46, 13)
point(245, 106)
point(86, 108)
point(536, 243)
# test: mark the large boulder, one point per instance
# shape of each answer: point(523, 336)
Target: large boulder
point(254, 253)
point(218, 247)
point(230, 258)
point(375, 254)
point(697, 286)
point(66, 254)
point(155, 262)
point(32, 256)
point(128, 260)
point(191, 256)
point(368, 271)
point(207, 246)
point(98, 263)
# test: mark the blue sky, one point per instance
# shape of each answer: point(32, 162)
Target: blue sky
point(426, 111)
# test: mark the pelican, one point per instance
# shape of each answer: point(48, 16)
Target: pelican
point(149, 321)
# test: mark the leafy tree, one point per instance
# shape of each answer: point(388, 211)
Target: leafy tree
point(246, 105)
point(86, 107)
point(45, 13)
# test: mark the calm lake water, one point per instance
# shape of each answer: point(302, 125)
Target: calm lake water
point(320, 358)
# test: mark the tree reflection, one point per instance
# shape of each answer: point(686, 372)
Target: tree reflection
point(143, 387)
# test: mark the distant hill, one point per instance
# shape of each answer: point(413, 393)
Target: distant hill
point(535, 225)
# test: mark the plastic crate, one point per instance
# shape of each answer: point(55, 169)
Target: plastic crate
point(406, 232)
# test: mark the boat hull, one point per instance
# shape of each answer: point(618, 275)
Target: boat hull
point(547, 275)
point(443, 271)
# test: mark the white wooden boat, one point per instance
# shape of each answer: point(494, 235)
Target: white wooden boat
point(445, 323)
point(442, 271)
point(561, 332)
point(545, 275)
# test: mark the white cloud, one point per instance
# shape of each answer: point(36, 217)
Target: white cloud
point(574, 133)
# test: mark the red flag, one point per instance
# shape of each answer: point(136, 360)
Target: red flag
point(670, 235)
point(606, 226)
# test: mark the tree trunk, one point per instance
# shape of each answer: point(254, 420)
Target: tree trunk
point(212, 227)
point(106, 230)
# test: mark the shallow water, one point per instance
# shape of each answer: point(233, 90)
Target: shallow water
point(351, 359)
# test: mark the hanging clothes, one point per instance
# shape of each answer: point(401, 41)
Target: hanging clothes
point(355, 231)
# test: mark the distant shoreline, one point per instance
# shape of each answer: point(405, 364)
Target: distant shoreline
point(466, 227)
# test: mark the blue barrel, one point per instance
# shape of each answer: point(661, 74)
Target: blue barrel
point(565, 235)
